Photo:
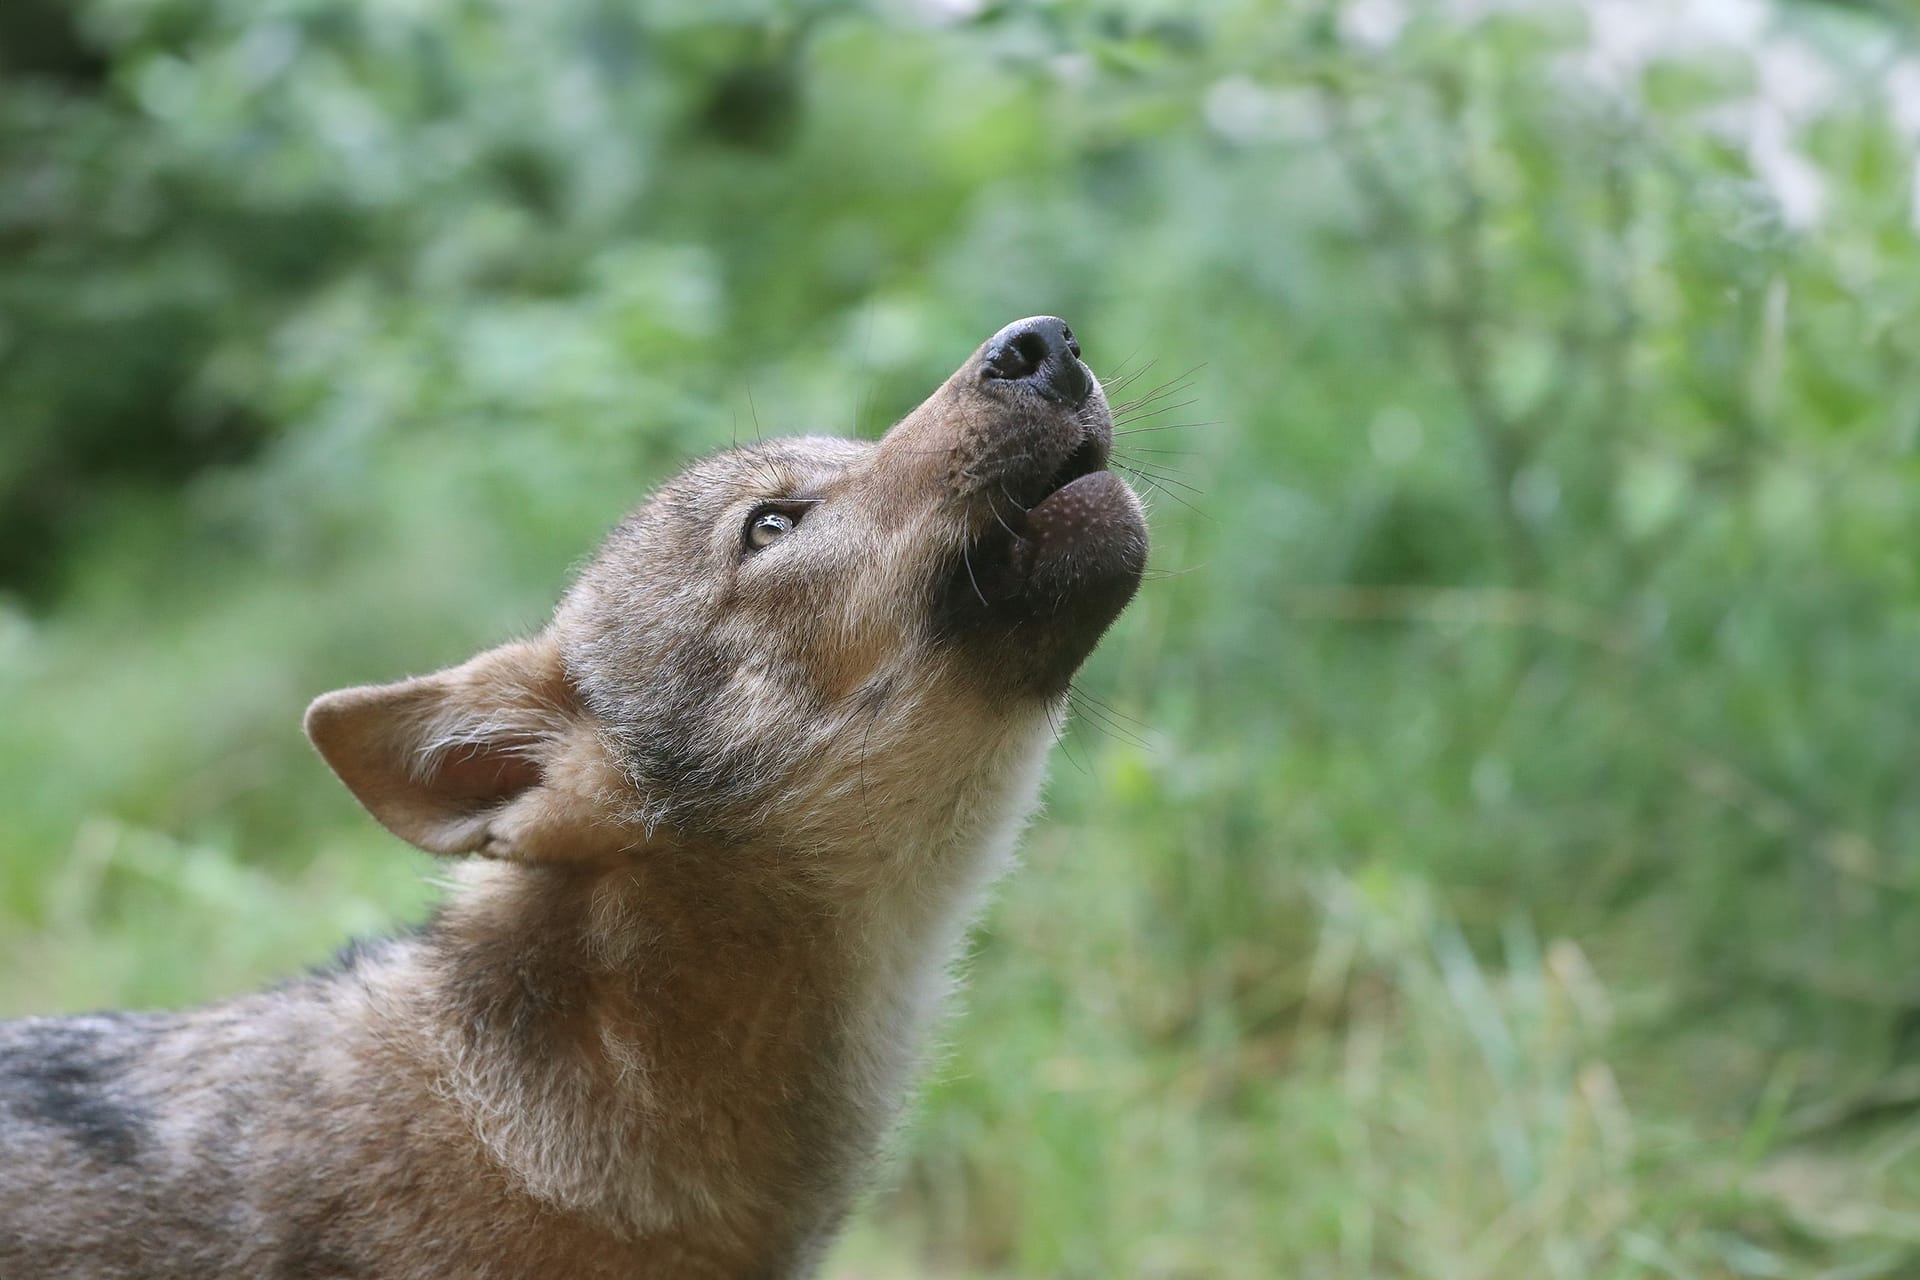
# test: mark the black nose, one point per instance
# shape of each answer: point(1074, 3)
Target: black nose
point(1042, 351)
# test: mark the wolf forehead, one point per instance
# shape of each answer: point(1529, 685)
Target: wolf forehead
point(677, 559)
point(670, 590)
point(788, 467)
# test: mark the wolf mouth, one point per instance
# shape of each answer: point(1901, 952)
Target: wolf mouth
point(1056, 527)
point(1036, 494)
point(1089, 456)
point(1052, 543)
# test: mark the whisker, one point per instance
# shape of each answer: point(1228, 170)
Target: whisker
point(1114, 720)
point(1079, 691)
point(1158, 487)
point(1157, 466)
point(1151, 474)
point(1175, 380)
point(1141, 415)
point(966, 558)
point(1082, 717)
point(1171, 387)
point(1169, 426)
point(1121, 385)
point(1095, 719)
point(1140, 404)
point(1124, 362)
point(1060, 740)
point(995, 508)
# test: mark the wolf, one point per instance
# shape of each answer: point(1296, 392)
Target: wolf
point(715, 835)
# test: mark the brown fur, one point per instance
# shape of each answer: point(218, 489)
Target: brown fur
point(732, 809)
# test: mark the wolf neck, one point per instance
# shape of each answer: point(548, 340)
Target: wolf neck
point(672, 1043)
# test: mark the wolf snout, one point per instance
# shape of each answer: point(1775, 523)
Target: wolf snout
point(1039, 352)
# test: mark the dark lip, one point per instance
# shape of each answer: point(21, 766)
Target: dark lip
point(1089, 456)
point(1080, 443)
point(1012, 528)
point(1051, 443)
point(1086, 458)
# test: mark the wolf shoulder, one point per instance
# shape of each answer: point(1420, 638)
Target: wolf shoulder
point(131, 1144)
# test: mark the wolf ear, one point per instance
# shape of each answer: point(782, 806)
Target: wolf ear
point(494, 756)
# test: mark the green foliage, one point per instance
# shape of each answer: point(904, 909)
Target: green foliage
point(1490, 847)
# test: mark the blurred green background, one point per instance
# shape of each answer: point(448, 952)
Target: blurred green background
point(1504, 856)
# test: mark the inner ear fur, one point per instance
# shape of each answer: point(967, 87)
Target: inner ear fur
point(495, 756)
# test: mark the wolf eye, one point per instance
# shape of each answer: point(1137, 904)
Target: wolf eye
point(764, 528)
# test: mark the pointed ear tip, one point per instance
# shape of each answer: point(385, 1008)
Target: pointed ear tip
point(327, 716)
point(321, 713)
